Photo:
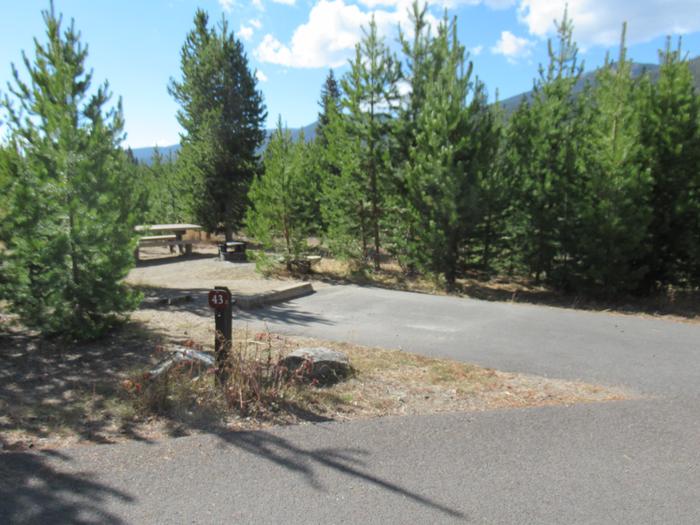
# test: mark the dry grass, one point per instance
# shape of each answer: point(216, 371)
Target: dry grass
point(384, 382)
point(53, 397)
point(393, 382)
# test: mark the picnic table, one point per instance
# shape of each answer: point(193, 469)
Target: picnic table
point(170, 235)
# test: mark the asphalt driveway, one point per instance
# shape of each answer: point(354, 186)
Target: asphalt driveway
point(624, 462)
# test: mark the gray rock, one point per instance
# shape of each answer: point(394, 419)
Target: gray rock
point(327, 366)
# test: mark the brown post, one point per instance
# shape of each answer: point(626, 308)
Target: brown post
point(220, 300)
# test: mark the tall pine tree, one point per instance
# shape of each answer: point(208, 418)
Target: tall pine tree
point(371, 92)
point(222, 113)
point(671, 139)
point(69, 227)
point(453, 141)
point(545, 144)
point(281, 212)
point(614, 211)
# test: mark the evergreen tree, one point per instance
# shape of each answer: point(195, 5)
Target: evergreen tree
point(281, 214)
point(222, 114)
point(418, 72)
point(69, 227)
point(321, 162)
point(442, 171)
point(613, 210)
point(489, 188)
point(344, 205)
point(329, 103)
point(371, 93)
point(545, 146)
point(164, 190)
point(671, 140)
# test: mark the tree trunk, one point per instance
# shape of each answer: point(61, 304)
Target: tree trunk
point(228, 228)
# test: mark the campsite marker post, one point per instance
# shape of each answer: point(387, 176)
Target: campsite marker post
point(220, 300)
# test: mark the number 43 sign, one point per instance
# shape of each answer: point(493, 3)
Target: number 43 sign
point(219, 299)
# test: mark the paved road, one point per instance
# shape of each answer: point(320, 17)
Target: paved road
point(650, 355)
point(626, 462)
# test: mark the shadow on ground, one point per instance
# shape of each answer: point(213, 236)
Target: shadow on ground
point(350, 462)
point(281, 314)
point(171, 258)
point(681, 303)
point(33, 490)
point(48, 388)
point(194, 300)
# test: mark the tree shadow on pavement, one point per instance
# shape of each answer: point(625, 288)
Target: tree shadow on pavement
point(33, 490)
point(194, 301)
point(281, 314)
point(303, 461)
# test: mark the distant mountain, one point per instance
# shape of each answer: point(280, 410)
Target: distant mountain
point(145, 155)
point(511, 104)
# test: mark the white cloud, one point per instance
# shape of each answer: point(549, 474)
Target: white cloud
point(512, 47)
point(258, 4)
point(598, 22)
point(257, 24)
point(329, 36)
point(286, 2)
point(493, 4)
point(262, 77)
point(476, 50)
point(499, 4)
point(246, 32)
point(326, 39)
point(227, 5)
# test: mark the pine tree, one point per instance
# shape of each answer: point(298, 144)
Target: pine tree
point(418, 71)
point(69, 232)
point(329, 103)
point(671, 140)
point(321, 162)
point(545, 144)
point(489, 187)
point(371, 93)
point(222, 114)
point(440, 175)
point(344, 204)
point(281, 214)
point(614, 212)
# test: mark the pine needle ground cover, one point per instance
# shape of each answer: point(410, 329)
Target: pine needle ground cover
point(54, 395)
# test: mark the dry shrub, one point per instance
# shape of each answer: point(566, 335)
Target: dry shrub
point(186, 391)
point(255, 383)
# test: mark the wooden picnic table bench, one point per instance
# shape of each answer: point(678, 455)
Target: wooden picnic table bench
point(171, 240)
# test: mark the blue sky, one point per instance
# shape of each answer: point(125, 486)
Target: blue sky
point(292, 43)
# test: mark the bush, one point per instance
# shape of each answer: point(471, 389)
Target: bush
point(256, 384)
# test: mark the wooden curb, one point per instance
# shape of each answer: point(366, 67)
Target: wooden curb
point(294, 291)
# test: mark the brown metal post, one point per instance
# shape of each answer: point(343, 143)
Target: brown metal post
point(220, 300)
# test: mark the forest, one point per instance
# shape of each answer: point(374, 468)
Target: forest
point(593, 191)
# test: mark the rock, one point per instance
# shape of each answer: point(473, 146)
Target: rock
point(178, 354)
point(327, 366)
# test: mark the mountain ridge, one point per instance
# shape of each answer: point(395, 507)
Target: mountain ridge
point(144, 155)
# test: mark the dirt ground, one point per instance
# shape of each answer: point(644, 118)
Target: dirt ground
point(157, 268)
point(54, 395)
